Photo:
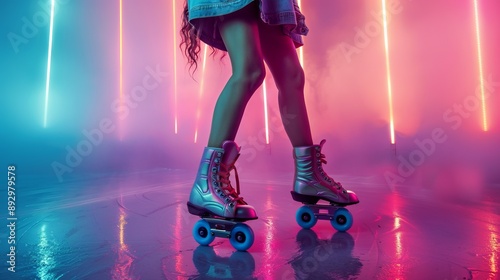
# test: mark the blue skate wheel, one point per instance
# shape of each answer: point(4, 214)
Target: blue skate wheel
point(202, 233)
point(241, 237)
point(305, 217)
point(342, 220)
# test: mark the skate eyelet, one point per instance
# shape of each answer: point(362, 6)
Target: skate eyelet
point(219, 154)
point(318, 154)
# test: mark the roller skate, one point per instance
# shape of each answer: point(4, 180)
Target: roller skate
point(312, 184)
point(220, 206)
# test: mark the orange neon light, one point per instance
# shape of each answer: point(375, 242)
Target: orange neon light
point(266, 119)
point(388, 69)
point(480, 59)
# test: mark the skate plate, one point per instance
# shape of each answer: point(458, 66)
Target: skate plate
point(240, 235)
point(307, 216)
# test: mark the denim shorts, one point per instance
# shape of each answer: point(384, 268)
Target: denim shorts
point(204, 15)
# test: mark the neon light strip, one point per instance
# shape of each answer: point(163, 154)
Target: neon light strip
point(480, 58)
point(301, 50)
point(49, 59)
point(301, 56)
point(174, 18)
point(264, 92)
point(387, 64)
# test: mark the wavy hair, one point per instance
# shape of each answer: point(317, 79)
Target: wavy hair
point(190, 41)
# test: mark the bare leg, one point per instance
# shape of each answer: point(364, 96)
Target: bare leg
point(281, 57)
point(240, 33)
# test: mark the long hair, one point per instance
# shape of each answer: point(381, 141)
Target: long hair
point(190, 41)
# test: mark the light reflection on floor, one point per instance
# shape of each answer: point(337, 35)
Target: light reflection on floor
point(136, 226)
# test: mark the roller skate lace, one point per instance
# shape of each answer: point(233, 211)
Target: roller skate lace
point(225, 184)
point(322, 160)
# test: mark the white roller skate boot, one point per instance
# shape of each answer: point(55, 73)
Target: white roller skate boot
point(311, 183)
point(217, 202)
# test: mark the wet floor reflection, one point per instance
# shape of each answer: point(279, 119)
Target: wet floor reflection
point(135, 226)
point(122, 268)
point(209, 265)
point(44, 259)
point(325, 258)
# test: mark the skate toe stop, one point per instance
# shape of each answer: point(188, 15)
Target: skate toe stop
point(353, 198)
point(246, 212)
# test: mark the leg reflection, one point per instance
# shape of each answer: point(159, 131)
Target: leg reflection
point(210, 266)
point(325, 259)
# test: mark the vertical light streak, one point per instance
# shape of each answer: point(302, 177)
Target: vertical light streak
point(178, 231)
point(121, 233)
point(301, 56)
point(174, 25)
point(494, 247)
point(49, 62)
point(301, 50)
point(45, 259)
point(200, 93)
point(121, 63)
point(399, 246)
point(122, 268)
point(269, 246)
point(388, 69)
point(480, 59)
point(266, 120)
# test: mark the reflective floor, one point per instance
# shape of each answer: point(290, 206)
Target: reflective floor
point(136, 226)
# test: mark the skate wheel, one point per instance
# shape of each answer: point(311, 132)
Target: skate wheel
point(305, 217)
point(342, 220)
point(202, 233)
point(241, 237)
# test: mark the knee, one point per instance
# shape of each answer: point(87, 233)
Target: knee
point(251, 77)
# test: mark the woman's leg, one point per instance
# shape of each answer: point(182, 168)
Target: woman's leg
point(212, 193)
point(311, 182)
point(240, 33)
point(281, 58)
